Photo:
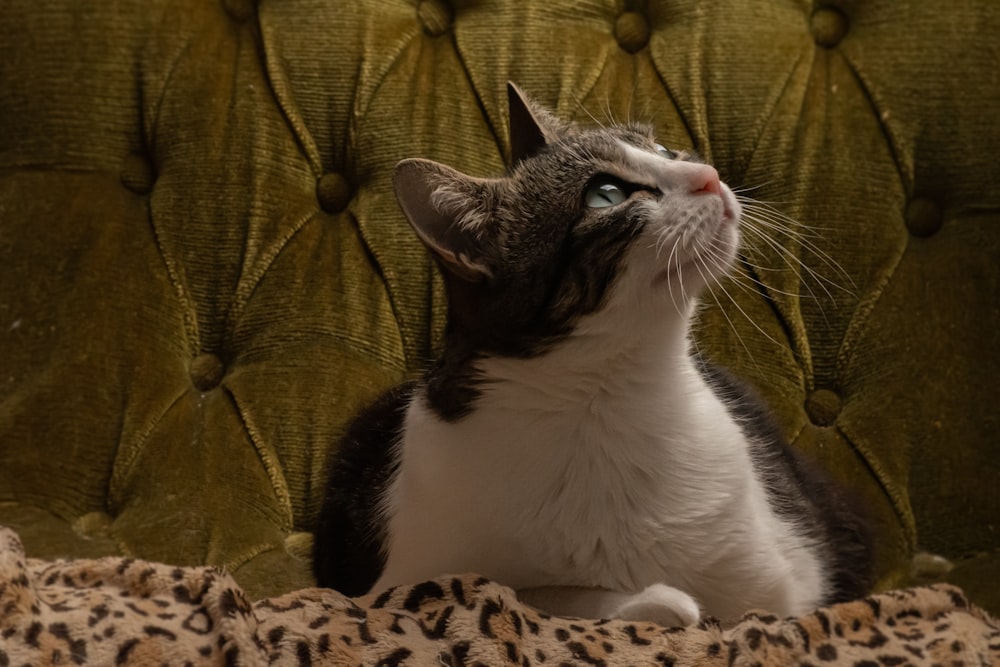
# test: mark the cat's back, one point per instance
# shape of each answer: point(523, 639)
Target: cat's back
point(800, 492)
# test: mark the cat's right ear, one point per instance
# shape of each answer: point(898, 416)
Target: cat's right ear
point(444, 207)
point(531, 126)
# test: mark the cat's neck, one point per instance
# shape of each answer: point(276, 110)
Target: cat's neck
point(641, 348)
point(611, 385)
point(596, 365)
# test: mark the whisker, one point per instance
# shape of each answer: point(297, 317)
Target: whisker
point(749, 188)
point(778, 221)
point(772, 204)
point(741, 276)
point(756, 220)
point(583, 107)
point(722, 287)
point(796, 263)
point(675, 257)
point(609, 114)
point(770, 208)
point(722, 310)
point(662, 239)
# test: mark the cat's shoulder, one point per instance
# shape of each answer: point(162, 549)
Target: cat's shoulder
point(742, 402)
point(349, 549)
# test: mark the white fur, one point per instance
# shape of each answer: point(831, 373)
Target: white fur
point(607, 465)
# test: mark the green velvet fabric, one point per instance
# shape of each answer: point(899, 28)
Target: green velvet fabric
point(203, 270)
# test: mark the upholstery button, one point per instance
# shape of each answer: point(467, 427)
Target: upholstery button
point(823, 406)
point(206, 372)
point(435, 17)
point(930, 566)
point(137, 174)
point(239, 10)
point(632, 31)
point(334, 192)
point(828, 26)
point(923, 217)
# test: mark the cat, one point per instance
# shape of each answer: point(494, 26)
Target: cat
point(568, 442)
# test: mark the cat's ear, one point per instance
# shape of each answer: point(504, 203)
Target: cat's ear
point(445, 208)
point(531, 126)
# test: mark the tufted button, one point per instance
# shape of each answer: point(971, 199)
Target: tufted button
point(828, 26)
point(239, 10)
point(435, 17)
point(932, 567)
point(632, 31)
point(333, 192)
point(923, 217)
point(823, 406)
point(206, 372)
point(137, 173)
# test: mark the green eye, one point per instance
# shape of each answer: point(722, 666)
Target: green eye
point(665, 152)
point(604, 191)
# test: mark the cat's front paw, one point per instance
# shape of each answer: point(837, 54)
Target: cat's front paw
point(662, 605)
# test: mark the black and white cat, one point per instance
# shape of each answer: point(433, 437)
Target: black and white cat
point(567, 442)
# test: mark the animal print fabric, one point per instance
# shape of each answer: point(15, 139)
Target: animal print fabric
point(117, 611)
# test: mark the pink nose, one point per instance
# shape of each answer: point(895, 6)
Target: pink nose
point(706, 180)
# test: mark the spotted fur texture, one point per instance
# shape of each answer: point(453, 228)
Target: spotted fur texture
point(117, 611)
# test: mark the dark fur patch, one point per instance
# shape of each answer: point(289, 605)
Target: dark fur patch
point(799, 491)
point(349, 550)
point(553, 260)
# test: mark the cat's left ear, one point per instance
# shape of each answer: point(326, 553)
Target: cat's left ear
point(445, 208)
point(531, 126)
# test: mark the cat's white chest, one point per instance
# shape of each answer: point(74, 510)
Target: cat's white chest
point(556, 483)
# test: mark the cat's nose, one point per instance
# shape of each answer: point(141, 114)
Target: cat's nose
point(705, 179)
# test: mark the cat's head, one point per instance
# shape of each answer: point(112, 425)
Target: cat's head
point(585, 220)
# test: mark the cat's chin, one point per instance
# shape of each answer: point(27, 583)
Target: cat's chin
point(687, 278)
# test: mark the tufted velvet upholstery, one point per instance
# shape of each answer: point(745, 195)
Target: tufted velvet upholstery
point(203, 270)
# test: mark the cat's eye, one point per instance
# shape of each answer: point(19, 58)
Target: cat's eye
point(665, 152)
point(604, 191)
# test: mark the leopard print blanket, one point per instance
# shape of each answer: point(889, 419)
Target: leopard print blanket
point(117, 611)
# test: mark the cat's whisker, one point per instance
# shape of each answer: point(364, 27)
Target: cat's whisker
point(747, 275)
point(732, 325)
point(749, 188)
point(786, 256)
point(583, 107)
point(609, 115)
point(739, 275)
point(791, 227)
point(769, 219)
point(675, 258)
point(743, 277)
point(771, 204)
point(793, 261)
point(720, 285)
point(631, 101)
point(762, 224)
point(661, 241)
